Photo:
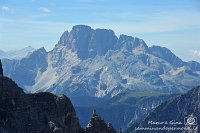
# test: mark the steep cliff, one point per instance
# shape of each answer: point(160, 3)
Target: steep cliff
point(122, 110)
point(36, 113)
point(97, 63)
point(97, 125)
point(31, 113)
point(181, 113)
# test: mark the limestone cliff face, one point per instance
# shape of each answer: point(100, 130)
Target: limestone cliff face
point(40, 112)
point(97, 63)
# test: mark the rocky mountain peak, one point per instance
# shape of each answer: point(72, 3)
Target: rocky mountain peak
point(38, 52)
point(63, 38)
point(42, 49)
point(130, 43)
point(16, 54)
point(29, 48)
point(66, 37)
point(97, 125)
point(34, 62)
point(87, 42)
point(78, 28)
point(167, 55)
point(94, 62)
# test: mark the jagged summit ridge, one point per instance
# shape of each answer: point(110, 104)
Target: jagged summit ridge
point(167, 55)
point(88, 42)
point(84, 33)
point(95, 62)
point(16, 54)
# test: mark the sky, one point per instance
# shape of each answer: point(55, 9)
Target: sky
point(174, 24)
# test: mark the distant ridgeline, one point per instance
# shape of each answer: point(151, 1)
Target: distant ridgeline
point(97, 63)
point(41, 112)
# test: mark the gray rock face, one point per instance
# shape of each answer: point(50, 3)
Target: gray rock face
point(33, 113)
point(167, 55)
point(194, 65)
point(24, 71)
point(178, 109)
point(30, 113)
point(38, 113)
point(122, 110)
point(88, 42)
point(94, 62)
point(130, 43)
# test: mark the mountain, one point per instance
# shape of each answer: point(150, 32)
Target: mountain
point(183, 109)
point(41, 112)
point(16, 54)
point(98, 125)
point(30, 67)
point(122, 110)
point(97, 63)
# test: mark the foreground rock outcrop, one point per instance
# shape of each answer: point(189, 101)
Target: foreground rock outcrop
point(37, 113)
point(97, 125)
point(34, 113)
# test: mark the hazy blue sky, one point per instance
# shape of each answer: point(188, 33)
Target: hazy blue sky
point(171, 23)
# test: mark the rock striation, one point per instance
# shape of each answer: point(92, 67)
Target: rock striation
point(97, 63)
point(39, 113)
point(87, 42)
